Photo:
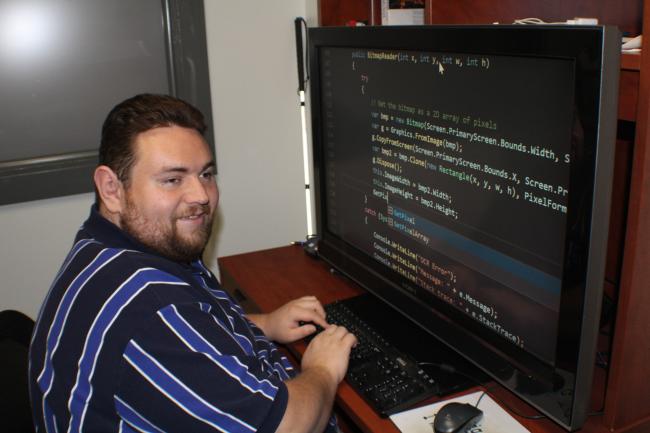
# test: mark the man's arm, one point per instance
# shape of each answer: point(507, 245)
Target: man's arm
point(190, 368)
point(324, 363)
point(311, 393)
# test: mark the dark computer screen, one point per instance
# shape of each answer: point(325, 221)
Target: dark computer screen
point(454, 190)
point(456, 176)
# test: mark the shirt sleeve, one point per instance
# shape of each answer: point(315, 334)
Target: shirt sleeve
point(195, 369)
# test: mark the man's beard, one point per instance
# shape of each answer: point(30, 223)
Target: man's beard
point(164, 238)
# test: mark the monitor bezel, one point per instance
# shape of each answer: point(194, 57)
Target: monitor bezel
point(595, 49)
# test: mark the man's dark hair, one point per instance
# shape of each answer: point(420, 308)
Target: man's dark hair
point(139, 114)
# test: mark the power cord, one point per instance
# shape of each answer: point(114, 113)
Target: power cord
point(536, 21)
point(575, 21)
point(305, 66)
point(309, 245)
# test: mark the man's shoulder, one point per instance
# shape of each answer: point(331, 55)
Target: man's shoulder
point(91, 255)
point(96, 278)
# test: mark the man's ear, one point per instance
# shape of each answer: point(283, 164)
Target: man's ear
point(109, 188)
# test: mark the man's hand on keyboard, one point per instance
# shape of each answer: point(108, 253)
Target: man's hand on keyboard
point(330, 351)
point(292, 321)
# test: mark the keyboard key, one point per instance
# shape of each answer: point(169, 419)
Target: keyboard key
point(387, 379)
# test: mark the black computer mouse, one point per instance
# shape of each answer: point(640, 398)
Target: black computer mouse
point(456, 418)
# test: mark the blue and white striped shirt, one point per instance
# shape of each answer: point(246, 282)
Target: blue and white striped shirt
point(127, 340)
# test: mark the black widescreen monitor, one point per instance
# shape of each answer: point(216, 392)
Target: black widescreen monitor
point(463, 176)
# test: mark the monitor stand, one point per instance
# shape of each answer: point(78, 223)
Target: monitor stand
point(452, 372)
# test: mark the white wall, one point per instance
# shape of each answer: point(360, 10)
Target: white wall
point(253, 75)
point(34, 239)
point(256, 125)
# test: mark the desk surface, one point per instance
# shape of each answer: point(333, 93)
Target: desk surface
point(270, 278)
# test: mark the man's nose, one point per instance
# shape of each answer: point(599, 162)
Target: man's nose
point(196, 192)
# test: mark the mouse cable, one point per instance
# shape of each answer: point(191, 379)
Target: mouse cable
point(483, 394)
point(531, 417)
point(450, 369)
point(519, 414)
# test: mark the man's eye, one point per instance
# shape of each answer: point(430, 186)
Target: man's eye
point(171, 181)
point(207, 175)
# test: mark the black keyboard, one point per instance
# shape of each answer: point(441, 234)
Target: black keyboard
point(389, 380)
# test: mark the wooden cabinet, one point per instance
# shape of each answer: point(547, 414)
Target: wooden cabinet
point(627, 15)
point(627, 281)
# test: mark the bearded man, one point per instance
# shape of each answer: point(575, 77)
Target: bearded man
point(136, 334)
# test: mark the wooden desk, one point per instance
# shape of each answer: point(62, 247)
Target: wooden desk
point(265, 280)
